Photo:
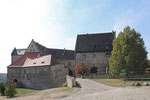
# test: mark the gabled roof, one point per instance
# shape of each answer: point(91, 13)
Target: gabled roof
point(31, 59)
point(22, 59)
point(94, 42)
point(57, 53)
point(61, 53)
point(41, 61)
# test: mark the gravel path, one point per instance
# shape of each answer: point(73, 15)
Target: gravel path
point(88, 88)
point(90, 91)
point(94, 91)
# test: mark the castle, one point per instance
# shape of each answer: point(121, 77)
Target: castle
point(40, 67)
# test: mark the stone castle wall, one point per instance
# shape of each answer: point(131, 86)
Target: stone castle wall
point(70, 64)
point(42, 77)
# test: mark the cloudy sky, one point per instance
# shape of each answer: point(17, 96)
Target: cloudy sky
point(56, 23)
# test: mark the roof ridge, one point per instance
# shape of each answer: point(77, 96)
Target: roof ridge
point(60, 49)
point(22, 49)
point(98, 33)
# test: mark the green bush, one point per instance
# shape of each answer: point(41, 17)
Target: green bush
point(10, 90)
point(2, 88)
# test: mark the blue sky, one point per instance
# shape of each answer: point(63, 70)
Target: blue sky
point(56, 23)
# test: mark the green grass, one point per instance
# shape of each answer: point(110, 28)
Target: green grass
point(116, 82)
point(24, 91)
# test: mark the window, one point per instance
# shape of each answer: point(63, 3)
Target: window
point(108, 54)
point(95, 46)
point(94, 55)
point(106, 46)
point(84, 57)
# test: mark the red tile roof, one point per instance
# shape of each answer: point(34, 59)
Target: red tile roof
point(21, 60)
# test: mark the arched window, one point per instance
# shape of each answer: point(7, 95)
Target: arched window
point(94, 70)
point(15, 80)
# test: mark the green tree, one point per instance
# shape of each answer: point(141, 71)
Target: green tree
point(10, 90)
point(2, 88)
point(128, 53)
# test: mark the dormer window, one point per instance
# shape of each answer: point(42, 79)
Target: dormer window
point(40, 55)
point(42, 62)
point(95, 46)
point(106, 46)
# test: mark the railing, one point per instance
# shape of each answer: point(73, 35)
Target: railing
point(108, 76)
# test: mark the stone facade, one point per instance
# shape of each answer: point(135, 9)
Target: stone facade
point(69, 64)
point(95, 51)
point(99, 60)
point(41, 77)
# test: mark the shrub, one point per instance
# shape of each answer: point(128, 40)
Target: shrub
point(10, 90)
point(81, 68)
point(2, 88)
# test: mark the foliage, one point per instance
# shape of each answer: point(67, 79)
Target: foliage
point(10, 90)
point(128, 53)
point(148, 62)
point(81, 68)
point(2, 88)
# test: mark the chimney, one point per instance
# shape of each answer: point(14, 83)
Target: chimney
point(114, 33)
point(64, 51)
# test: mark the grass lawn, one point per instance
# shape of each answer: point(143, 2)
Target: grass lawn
point(116, 82)
point(24, 91)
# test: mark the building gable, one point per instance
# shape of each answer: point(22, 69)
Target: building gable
point(32, 47)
